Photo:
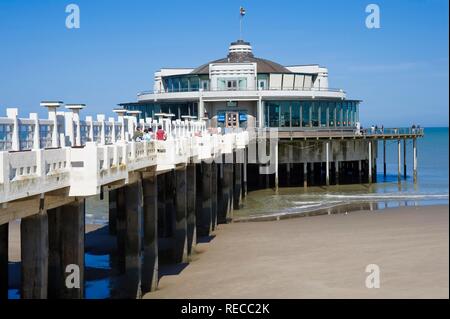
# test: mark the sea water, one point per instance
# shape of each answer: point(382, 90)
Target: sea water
point(432, 187)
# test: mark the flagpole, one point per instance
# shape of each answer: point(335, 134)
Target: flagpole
point(240, 26)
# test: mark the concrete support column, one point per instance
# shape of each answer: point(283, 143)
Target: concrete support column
point(399, 168)
point(237, 183)
point(313, 176)
point(370, 161)
point(112, 212)
point(228, 185)
point(161, 183)
point(415, 160)
point(150, 261)
point(66, 225)
point(305, 175)
point(214, 205)
point(204, 219)
point(4, 239)
point(276, 167)
point(328, 164)
point(191, 177)
point(360, 172)
point(121, 226)
point(336, 171)
point(133, 239)
point(384, 158)
point(34, 252)
point(244, 177)
point(180, 247)
point(404, 159)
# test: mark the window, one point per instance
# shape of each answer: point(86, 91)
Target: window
point(273, 114)
point(331, 113)
point(315, 114)
point(295, 114)
point(339, 114)
point(231, 85)
point(305, 114)
point(323, 114)
point(285, 115)
point(205, 85)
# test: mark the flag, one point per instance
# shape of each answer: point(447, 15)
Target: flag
point(242, 11)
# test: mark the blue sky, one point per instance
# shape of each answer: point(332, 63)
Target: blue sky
point(400, 71)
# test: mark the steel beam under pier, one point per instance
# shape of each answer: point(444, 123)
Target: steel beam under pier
point(179, 222)
point(34, 252)
point(150, 260)
point(4, 238)
point(66, 225)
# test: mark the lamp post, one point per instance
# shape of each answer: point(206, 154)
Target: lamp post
point(52, 106)
point(75, 137)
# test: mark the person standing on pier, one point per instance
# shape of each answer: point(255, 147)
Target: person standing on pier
point(137, 136)
point(161, 134)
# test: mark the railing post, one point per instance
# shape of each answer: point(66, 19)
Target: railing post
point(121, 119)
point(15, 139)
point(113, 130)
point(36, 135)
point(51, 107)
point(90, 120)
point(101, 119)
point(134, 116)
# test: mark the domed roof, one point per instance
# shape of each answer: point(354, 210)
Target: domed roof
point(241, 52)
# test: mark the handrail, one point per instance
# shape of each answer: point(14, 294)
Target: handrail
point(184, 90)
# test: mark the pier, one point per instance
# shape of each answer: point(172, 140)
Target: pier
point(161, 193)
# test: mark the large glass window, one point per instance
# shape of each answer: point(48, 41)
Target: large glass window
point(273, 114)
point(295, 114)
point(331, 113)
point(305, 113)
point(194, 83)
point(285, 115)
point(315, 114)
point(323, 114)
point(339, 114)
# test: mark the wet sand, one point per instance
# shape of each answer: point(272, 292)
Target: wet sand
point(322, 257)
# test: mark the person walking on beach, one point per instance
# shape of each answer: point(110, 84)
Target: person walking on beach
point(137, 136)
point(161, 134)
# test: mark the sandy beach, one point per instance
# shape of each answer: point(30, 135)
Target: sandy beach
point(308, 257)
point(322, 257)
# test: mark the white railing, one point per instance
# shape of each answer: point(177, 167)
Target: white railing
point(42, 155)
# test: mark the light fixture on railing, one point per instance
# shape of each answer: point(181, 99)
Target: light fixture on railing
point(76, 108)
point(51, 107)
